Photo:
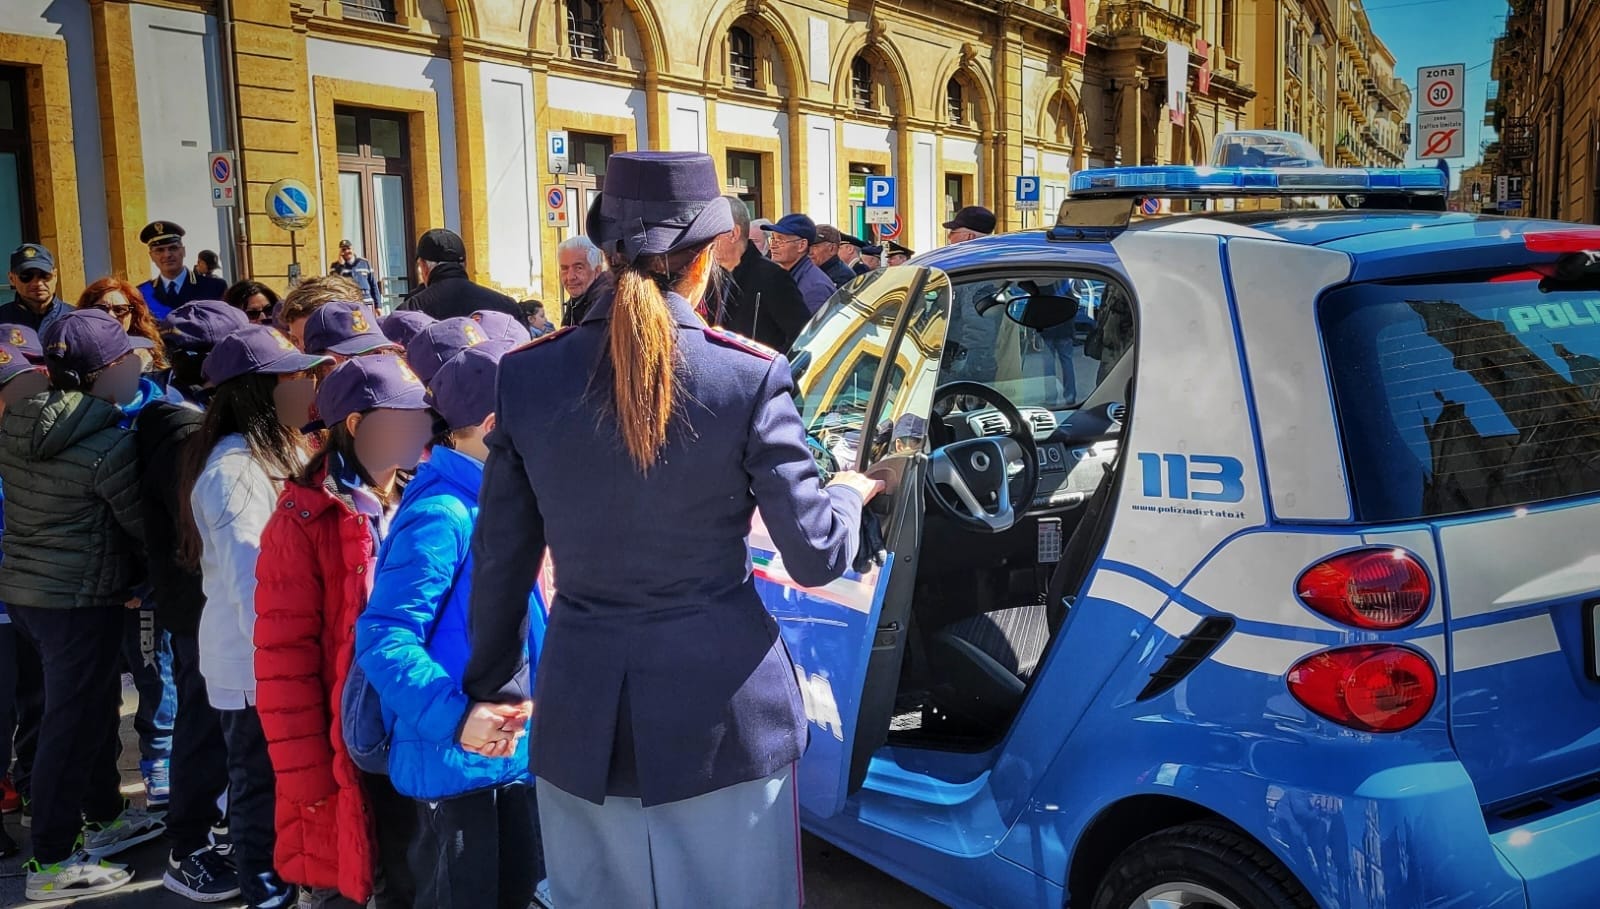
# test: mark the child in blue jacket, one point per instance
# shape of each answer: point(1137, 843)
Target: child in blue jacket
point(478, 838)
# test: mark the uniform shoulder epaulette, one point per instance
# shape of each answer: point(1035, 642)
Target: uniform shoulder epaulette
point(725, 338)
point(528, 345)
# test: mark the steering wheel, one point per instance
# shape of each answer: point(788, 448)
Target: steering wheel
point(976, 470)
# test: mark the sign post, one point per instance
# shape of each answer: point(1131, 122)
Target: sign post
point(1441, 117)
point(291, 206)
point(558, 151)
point(555, 206)
point(223, 179)
point(880, 200)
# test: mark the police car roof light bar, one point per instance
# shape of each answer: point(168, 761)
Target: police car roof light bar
point(1172, 181)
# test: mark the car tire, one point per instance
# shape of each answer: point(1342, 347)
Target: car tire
point(1202, 860)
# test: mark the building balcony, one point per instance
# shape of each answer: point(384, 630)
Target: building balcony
point(1145, 19)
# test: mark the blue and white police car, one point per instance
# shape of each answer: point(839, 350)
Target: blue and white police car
point(1275, 586)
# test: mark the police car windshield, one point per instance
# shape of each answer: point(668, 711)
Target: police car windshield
point(1054, 367)
point(1459, 397)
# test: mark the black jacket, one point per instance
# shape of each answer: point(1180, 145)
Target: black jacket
point(449, 294)
point(573, 311)
point(161, 430)
point(761, 302)
point(838, 271)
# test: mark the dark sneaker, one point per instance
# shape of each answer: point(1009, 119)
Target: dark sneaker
point(79, 875)
point(203, 877)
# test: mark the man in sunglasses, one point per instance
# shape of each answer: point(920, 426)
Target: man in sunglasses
point(33, 280)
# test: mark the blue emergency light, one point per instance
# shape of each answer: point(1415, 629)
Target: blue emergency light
point(1134, 182)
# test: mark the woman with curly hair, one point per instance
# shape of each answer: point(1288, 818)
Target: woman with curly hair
point(125, 304)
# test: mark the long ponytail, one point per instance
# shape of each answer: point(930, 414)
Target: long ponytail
point(644, 348)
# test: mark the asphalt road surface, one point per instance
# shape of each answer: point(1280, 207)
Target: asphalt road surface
point(834, 879)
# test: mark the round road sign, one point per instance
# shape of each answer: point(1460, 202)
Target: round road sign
point(1150, 206)
point(890, 231)
point(221, 170)
point(290, 204)
point(1441, 95)
point(556, 197)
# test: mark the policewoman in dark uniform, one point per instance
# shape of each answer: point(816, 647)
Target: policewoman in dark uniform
point(176, 284)
point(668, 718)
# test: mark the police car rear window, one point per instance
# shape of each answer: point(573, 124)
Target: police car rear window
point(1456, 398)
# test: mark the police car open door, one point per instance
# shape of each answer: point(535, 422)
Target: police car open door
point(865, 369)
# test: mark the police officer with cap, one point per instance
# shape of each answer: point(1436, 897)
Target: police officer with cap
point(669, 713)
point(897, 254)
point(176, 284)
point(349, 265)
point(871, 259)
point(34, 303)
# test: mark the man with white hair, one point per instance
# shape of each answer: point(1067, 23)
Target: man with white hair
point(583, 276)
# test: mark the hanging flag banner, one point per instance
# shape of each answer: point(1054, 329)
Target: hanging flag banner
point(1203, 83)
point(1079, 41)
point(1178, 81)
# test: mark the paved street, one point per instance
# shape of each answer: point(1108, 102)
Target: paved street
point(834, 880)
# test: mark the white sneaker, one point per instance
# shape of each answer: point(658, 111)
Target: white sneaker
point(132, 827)
point(79, 875)
point(541, 895)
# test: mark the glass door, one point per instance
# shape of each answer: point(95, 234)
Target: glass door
point(374, 195)
point(391, 236)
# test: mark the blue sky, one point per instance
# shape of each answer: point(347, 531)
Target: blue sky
point(1431, 32)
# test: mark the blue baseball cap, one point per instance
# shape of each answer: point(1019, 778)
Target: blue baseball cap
point(795, 226)
point(32, 257)
point(86, 341)
point(14, 362)
point(201, 325)
point(463, 390)
point(500, 326)
point(24, 339)
point(438, 344)
point(381, 381)
point(404, 325)
point(346, 328)
point(256, 349)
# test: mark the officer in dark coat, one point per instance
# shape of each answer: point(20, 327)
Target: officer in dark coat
point(668, 716)
point(176, 284)
point(441, 257)
point(871, 259)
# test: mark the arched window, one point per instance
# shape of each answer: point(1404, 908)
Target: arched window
point(586, 29)
point(861, 84)
point(956, 103)
point(742, 57)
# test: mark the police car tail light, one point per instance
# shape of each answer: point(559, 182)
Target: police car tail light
point(1562, 241)
point(1376, 589)
point(1370, 687)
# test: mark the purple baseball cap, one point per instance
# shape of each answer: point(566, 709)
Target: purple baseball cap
point(346, 328)
point(438, 344)
point(463, 390)
point(381, 381)
point(24, 339)
point(13, 362)
point(256, 349)
point(500, 326)
point(403, 325)
point(201, 325)
point(85, 341)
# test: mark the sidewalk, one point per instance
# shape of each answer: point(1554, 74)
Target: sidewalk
point(833, 880)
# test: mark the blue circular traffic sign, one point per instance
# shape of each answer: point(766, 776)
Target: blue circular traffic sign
point(1150, 206)
point(290, 204)
point(220, 170)
point(556, 197)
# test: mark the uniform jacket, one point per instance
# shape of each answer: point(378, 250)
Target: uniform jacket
point(194, 288)
point(160, 431)
point(656, 636)
point(762, 302)
point(317, 556)
point(361, 272)
point(841, 273)
point(73, 527)
point(412, 638)
point(17, 312)
point(233, 498)
point(815, 285)
point(449, 294)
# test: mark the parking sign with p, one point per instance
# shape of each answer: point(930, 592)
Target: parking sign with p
point(880, 198)
point(1027, 194)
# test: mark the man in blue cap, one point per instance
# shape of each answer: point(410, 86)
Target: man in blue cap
point(176, 284)
point(871, 259)
point(792, 239)
point(825, 254)
point(34, 303)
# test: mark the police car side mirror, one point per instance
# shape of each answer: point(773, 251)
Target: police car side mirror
point(1042, 311)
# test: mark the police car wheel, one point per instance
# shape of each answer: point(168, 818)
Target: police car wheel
point(1199, 866)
